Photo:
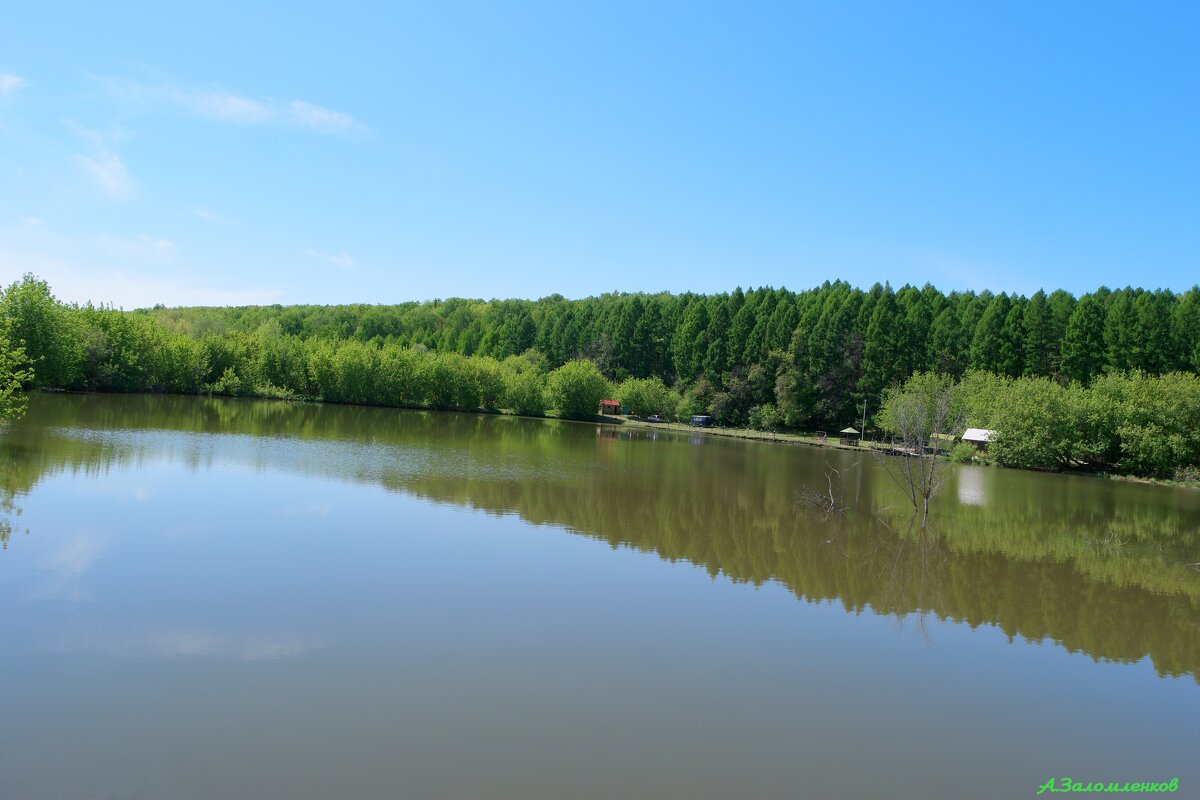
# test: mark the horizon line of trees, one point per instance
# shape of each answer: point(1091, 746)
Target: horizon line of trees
point(817, 353)
point(766, 358)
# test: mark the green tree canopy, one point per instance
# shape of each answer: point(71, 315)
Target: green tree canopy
point(576, 388)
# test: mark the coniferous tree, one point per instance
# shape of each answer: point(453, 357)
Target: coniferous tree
point(1041, 343)
point(716, 356)
point(1083, 347)
point(882, 364)
point(948, 343)
point(1155, 345)
point(1012, 345)
point(1120, 326)
point(690, 344)
point(1185, 330)
point(987, 345)
point(914, 330)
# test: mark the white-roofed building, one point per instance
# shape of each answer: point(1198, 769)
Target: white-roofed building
point(978, 437)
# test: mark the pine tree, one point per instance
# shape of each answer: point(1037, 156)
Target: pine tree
point(881, 348)
point(1083, 348)
point(914, 332)
point(948, 343)
point(1120, 325)
point(1012, 346)
point(988, 341)
point(1155, 345)
point(690, 343)
point(716, 357)
point(1185, 330)
point(1041, 344)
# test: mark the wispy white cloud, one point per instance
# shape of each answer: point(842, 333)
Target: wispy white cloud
point(208, 104)
point(321, 119)
point(143, 247)
point(223, 106)
point(341, 259)
point(218, 105)
point(11, 84)
point(101, 162)
point(210, 216)
point(29, 222)
point(109, 172)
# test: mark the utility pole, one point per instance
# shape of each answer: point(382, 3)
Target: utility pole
point(863, 432)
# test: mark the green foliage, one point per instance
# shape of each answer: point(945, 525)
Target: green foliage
point(821, 351)
point(447, 383)
point(526, 392)
point(813, 357)
point(275, 392)
point(1033, 428)
point(724, 410)
point(765, 417)
point(1041, 339)
point(1083, 350)
point(988, 342)
point(982, 395)
point(46, 330)
point(963, 452)
point(882, 364)
point(1132, 422)
point(488, 380)
point(576, 388)
point(15, 373)
point(646, 396)
point(695, 399)
point(1158, 421)
point(228, 384)
point(930, 393)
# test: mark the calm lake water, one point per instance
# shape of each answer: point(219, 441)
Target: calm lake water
point(241, 599)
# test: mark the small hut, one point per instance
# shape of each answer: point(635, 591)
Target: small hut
point(610, 407)
point(978, 437)
point(846, 436)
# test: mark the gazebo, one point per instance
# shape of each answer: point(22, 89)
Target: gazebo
point(845, 436)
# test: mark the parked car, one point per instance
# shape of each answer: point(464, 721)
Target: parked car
point(655, 418)
point(702, 421)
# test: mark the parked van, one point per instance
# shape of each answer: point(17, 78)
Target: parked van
point(702, 421)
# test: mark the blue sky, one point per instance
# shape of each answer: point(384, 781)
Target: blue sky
point(225, 154)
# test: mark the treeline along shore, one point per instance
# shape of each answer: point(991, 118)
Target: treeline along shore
point(1106, 381)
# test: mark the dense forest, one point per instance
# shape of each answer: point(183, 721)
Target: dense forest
point(770, 358)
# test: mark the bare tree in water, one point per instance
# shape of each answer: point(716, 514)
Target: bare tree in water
point(830, 498)
point(921, 416)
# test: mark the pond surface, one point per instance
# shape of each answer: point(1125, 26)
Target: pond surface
point(243, 599)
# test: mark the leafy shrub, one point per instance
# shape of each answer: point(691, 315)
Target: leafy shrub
point(1188, 474)
point(228, 384)
point(765, 417)
point(576, 388)
point(646, 396)
point(525, 392)
point(963, 452)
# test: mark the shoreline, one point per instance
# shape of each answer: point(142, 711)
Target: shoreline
point(744, 434)
point(749, 434)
